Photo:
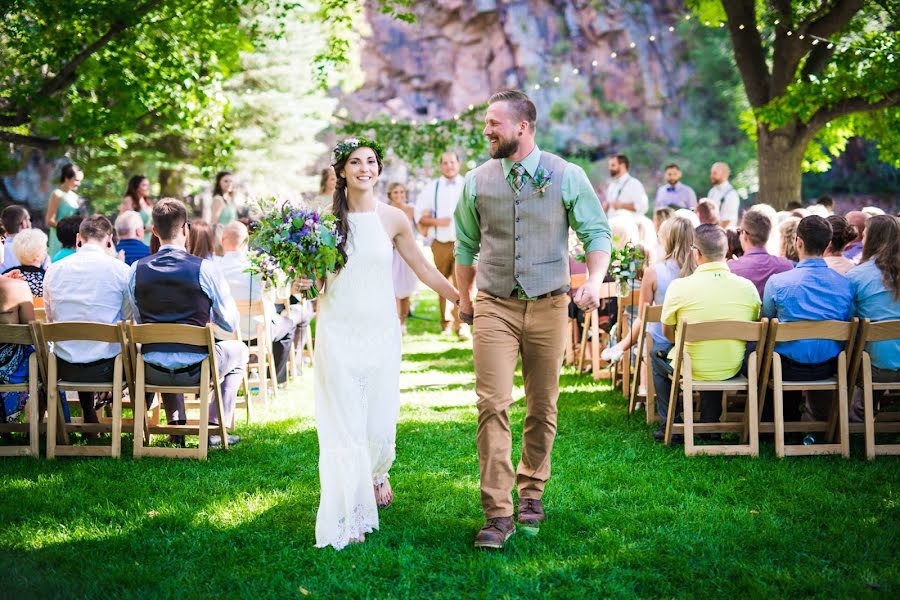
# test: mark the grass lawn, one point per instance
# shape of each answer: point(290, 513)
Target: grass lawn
point(626, 516)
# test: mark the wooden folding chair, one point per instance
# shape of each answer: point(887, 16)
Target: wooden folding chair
point(56, 389)
point(261, 347)
point(839, 331)
point(592, 324)
point(621, 375)
point(861, 376)
point(684, 382)
point(23, 335)
point(650, 314)
point(208, 385)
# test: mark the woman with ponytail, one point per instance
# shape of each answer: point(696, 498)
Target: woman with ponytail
point(842, 233)
point(357, 355)
point(63, 203)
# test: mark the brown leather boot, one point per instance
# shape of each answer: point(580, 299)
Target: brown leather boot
point(495, 533)
point(531, 512)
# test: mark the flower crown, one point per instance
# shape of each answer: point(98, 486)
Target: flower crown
point(346, 148)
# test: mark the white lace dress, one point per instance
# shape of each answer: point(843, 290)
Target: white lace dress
point(357, 384)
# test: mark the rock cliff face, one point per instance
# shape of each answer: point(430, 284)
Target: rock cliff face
point(459, 52)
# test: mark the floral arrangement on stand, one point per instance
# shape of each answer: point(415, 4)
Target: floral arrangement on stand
point(290, 242)
point(624, 266)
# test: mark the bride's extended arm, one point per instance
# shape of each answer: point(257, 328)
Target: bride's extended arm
point(405, 242)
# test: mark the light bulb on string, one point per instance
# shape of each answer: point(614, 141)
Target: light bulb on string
point(614, 54)
point(575, 71)
point(790, 32)
point(802, 36)
point(632, 45)
point(652, 38)
point(741, 26)
point(671, 29)
point(594, 63)
point(556, 80)
point(537, 86)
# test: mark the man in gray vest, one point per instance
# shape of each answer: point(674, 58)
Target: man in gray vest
point(514, 218)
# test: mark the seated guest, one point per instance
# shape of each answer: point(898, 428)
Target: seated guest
point(788, 232)
point(14, 218)
point(757, 264)
point(774, 244)
point(661, 215)
point(130, 230)
point(842, 233)
point(876, 291)
point(735, 250)
point(810, 292)
point(104, 300)
point(173, 286)
point(245, 286)
point(30, 248)
point(67, 234)
point(858, 219)
point(707, 213)
point(16, 308)
point(201, 240)
point(827, 202)
point(712, 293)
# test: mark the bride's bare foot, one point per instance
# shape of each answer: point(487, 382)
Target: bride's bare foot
point(384, 495)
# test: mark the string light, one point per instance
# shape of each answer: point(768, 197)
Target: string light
point(671, 29)
point(741, 26)
point(575, 71)
point(537, 86)
point(594, 63)
point(632, 45)
point(614, 54)
point(652, 38)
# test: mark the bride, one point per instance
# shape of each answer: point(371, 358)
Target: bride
point(357, 354)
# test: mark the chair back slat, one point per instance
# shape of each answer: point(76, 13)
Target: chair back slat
point(252, 308)
point(839, 331)
point(632, 298)
point(609, 289)
point(80, 331)
point(161, 333)
point(653, 313)
point(38, 302)
point(17, 334)
point(881, 331)
point(704, 331)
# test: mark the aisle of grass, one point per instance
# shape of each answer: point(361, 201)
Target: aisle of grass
point(626, 516)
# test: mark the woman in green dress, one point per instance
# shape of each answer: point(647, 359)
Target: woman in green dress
point(223, 209)
point(137, 198)
point(63, 202)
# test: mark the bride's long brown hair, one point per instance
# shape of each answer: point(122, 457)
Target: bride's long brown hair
point(340, 206)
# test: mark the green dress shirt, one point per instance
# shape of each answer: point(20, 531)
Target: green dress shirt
point(586, 216)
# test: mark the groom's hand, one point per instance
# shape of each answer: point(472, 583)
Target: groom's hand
point(587, 297)
point(466, 311)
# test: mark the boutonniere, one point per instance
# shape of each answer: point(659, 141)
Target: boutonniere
point(542, 181)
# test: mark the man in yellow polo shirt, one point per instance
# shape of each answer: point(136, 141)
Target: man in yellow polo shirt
point(712, 293)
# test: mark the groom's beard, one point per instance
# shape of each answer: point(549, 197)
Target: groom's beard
point(506, 148)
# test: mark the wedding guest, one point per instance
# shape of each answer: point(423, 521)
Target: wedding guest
point(690, 215)
point(842, 233)
point(624, 193)
point(677, 237)
point(405, 281)
point(788, 232)
point(173, 286)
point(16, 308)
point(773, 246)
point(137, 199)
point(327, 184)
point(735, 251)
point(827, 202)
point(707, 212)
point(858, 219)
point(201, 239)
point(875, 284)
point(131, 234)
point(661, 215)
point(14, 218)
point(723, 195)
point(757, 264)
point(30, 246)
point(67, 234)
point(224, 210)
point(105, 300)
point(711, 293)
point(435, 206)
point(674, 194)
point(872, 211)
point(810, 292)
point(247, 287)
point(63, 202)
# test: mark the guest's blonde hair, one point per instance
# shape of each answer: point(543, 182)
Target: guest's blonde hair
point(30, 246)
point(236, 232)
point(677, 237)
point(788, 230)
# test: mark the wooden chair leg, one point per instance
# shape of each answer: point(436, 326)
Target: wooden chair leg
point(778, 399)
point(868, 406)
point(595, 345)
point(584, 340)
point(843, 406)
point(116, 450)
point(636, 384)
point(53, 409)
point(203, 425)
point(33, 407)
point(687, 415)
point(141, 431)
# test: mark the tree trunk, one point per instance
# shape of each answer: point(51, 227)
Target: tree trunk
point(780, 153)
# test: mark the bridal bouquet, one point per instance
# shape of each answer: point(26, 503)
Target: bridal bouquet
point(297, 242)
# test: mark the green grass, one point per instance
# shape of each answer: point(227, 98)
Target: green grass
point(626, 516)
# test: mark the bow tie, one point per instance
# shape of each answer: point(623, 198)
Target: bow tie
point(671, 188)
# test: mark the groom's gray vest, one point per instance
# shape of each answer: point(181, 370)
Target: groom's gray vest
point(523, 239)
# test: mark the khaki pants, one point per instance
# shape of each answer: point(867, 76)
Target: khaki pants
point(444, 261)
point(504, 329)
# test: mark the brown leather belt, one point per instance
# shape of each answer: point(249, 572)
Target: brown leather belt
point(557, 292)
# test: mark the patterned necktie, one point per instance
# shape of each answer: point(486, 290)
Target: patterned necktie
point(517, 177)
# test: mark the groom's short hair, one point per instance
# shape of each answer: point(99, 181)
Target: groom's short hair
point(522, 106)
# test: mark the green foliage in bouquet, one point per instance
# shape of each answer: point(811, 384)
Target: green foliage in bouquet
point(625, 264)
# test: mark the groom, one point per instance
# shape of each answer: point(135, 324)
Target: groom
point(514, 216)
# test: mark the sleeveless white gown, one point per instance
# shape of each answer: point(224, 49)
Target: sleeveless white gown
point(356, 383)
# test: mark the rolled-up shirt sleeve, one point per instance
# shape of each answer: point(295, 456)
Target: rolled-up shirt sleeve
point(224, 309)
point(468, 224)
point(586, 216)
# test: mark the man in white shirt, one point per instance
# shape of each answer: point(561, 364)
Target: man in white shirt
point(624, 194)
point(92, 286)
point(15, 218)
point(434, 209)
point(234, 265)
point(723, 194)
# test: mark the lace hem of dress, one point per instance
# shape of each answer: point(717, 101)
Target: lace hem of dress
point(360, 522)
